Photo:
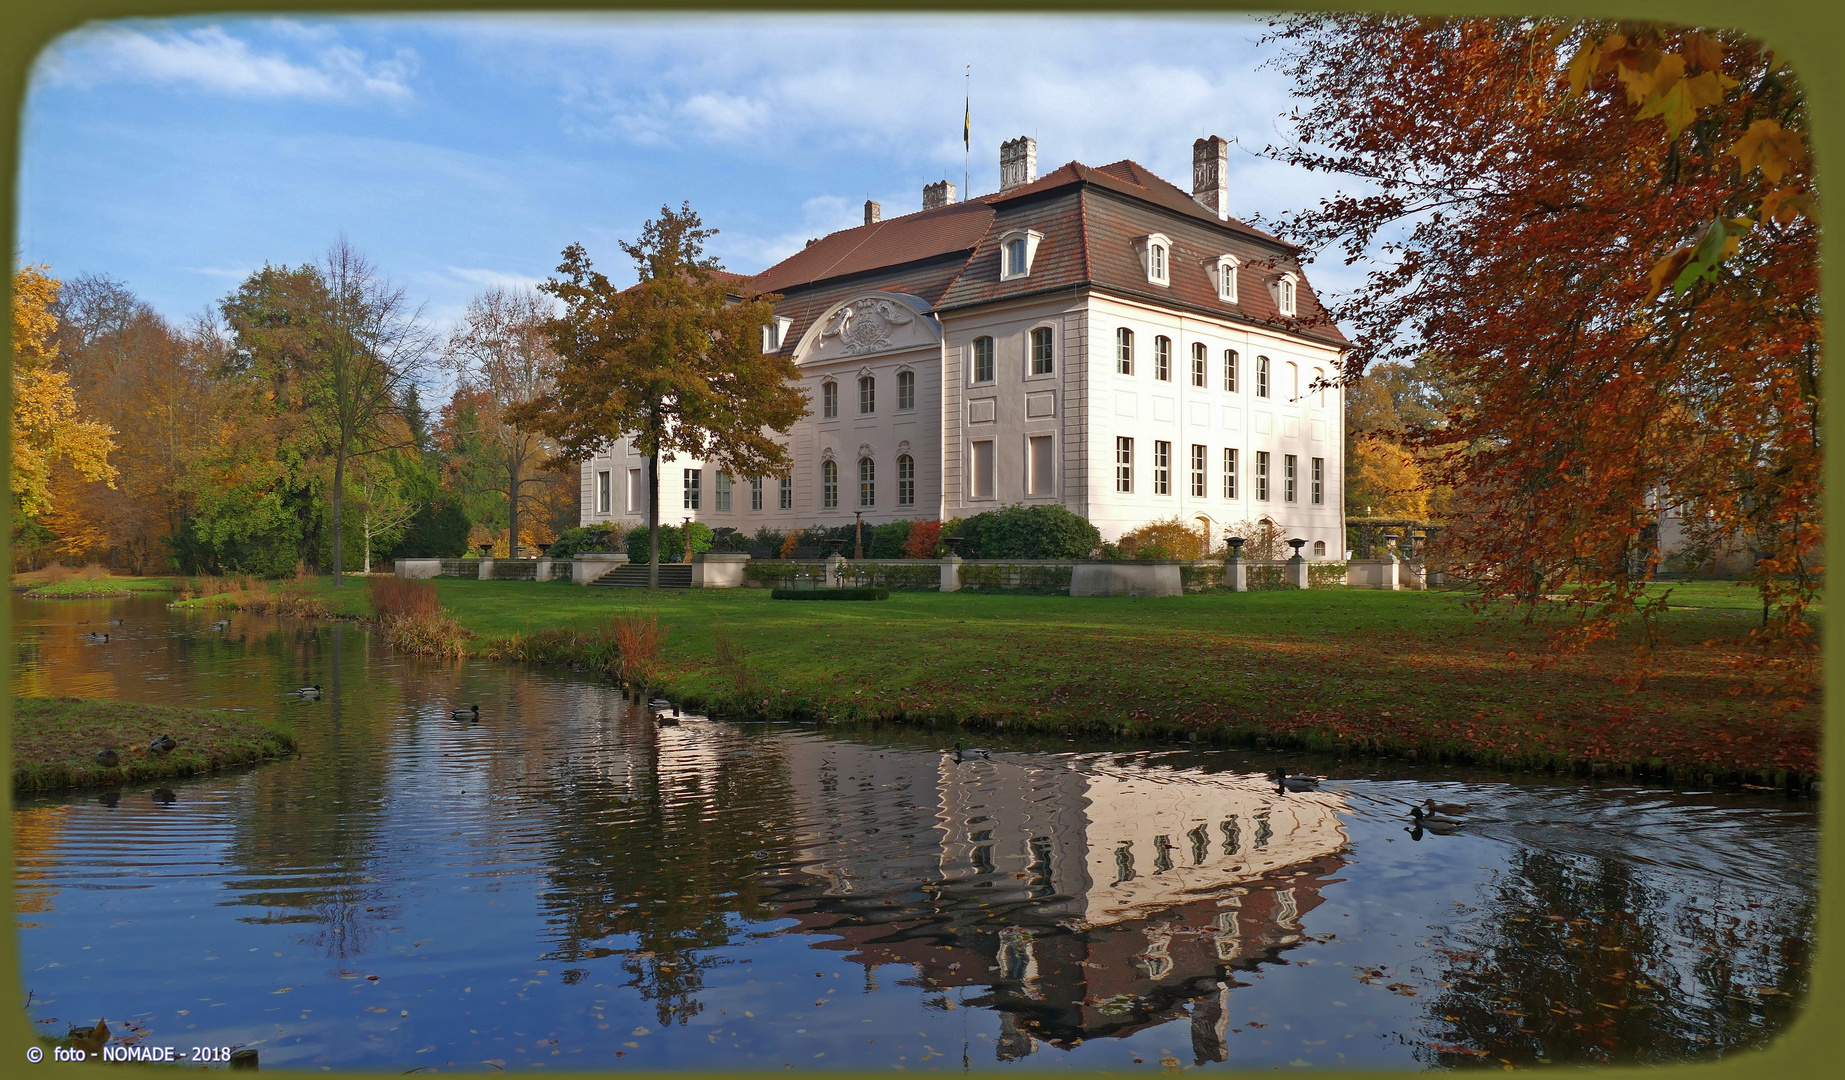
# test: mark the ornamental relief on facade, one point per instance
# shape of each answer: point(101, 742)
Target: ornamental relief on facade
point(872, 323)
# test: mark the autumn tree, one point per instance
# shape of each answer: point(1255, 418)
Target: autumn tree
point(673, 362)
point(501, 356)
point(1601, 237)
point(48, 429)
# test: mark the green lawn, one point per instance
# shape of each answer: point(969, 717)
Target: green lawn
point(86, 588)
point(1334, 667)
point(55, 741)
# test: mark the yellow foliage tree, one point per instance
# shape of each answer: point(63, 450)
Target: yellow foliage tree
point(46, 425)
point(1384, 480)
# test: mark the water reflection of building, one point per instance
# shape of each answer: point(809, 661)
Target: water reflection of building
point(1091, 899)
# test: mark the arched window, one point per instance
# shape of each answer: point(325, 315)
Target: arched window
point(1162, 358)
point(1226, 281)
point(1156, 261)
point(829, 400)
point(867, 395)
point(1319, 547)
point(906, 480)
point(1261, 376)
point(1287, 296)
point(1124, 351)
point(829, 484)
point(1319, 388)
point(1198, 363)
point(983, 359)
point(1231, 363)
point(867, 482)
point(1041, 351)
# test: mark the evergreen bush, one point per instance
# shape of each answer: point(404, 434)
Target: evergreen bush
point(1027, 532)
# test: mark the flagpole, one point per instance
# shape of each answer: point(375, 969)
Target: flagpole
point(967, 133)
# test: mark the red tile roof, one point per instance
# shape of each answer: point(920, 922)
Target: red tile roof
point(1090, 219)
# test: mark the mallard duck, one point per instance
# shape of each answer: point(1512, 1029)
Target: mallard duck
point(972, 751)
point(221, 624)
point(1297, 782)
point(164, 744)
point(666, 721)
point(100, 639)
point(1435, 823)
point(113, 622)
point(164, 796)
point(1430, 806)
point(108, 759)
point(466, 712)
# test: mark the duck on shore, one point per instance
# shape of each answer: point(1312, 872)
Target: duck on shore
point(108, 758)
point(163, 744)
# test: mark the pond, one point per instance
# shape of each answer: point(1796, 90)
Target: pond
point(567, 884)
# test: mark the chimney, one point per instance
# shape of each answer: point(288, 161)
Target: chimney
point(872, 212)
point(1211, 175)
point(940, 193)
point(1018, 162)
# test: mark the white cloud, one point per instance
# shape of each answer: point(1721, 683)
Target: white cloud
point(209, 59)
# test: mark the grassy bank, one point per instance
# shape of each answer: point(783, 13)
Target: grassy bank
point(91, 588)
point(305, 597)
point(1337, 669)
point(55, 741)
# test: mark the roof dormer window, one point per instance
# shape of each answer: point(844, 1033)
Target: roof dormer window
point(775, 333)
point(1156, 258)
point(1223, 276)
point(1284, 287)
point(1017, 249)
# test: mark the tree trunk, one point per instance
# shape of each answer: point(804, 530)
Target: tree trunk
point(512, 509)
point(653, 519)
point(339, 483)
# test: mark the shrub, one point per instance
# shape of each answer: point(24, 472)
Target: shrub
point(1028, 532)
point(887, 541)
point(1265, 539)
point(730, 540)
point(411, 618)
point(397, 598)
point(672, 542)
point(859, 592)
point(573, 542)
point(1166, 539)
point(637, 639)
point(923, 541)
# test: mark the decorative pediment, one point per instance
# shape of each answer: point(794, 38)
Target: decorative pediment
point(867, 450)
point(903, 447)
point(827, 454)
point(871, 322)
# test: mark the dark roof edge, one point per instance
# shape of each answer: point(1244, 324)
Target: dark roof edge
point(1125, 294)
point(953, 255)
point(1245, 233)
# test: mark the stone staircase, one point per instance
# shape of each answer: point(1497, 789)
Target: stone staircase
point(634, 576)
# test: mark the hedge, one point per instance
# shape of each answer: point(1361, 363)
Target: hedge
point(849, 593)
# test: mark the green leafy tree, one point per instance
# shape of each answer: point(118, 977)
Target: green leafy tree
point(673, 363)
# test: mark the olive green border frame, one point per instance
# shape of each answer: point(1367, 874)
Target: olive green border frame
point(1810, 33)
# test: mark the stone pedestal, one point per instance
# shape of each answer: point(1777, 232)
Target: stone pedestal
point(1236, 575)
point(486, 570)
point(1297, 572)
point(718, 569)
point(833, 563)
point(951, 574)
point(543, 572)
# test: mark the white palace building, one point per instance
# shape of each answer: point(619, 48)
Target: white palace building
point(1095, 337)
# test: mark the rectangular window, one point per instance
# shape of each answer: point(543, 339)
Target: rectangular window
point(1124, 464)
point(691, 489)
point(867, 482)
point(1197, 471)
point(603, 483)
point(1229, 473)
point(1289, 466)
point(1039, 474)
point(1262, 475)
point(1041, 351)
point(1231, 363)
point(755, 493)
point(1319, 481)
point(829, 400)
point(867, 395)
point(1198, 364)
point(906, 480)
point(637, 491)
point(1162, 358)
point(1124, 351)
point(786, 500)
point(983, 359)
point(1015, 258)
point(1261, 376)
point(1162, 467)
point(906, 390)
point(721, 488)
point(981, 476)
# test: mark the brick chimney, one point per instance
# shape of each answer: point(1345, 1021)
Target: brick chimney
point(1018, 162)
point(1211, 175)
point(872, 212)
point(940, 193)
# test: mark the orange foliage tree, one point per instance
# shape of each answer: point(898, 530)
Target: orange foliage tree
point(1602, 238)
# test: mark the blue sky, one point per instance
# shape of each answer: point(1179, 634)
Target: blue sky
point(460, 153)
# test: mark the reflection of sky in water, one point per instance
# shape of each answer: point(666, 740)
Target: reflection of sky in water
point(562, 882)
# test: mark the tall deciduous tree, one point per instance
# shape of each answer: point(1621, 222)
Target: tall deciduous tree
point(47, 427)
point(673, 362)
point(1600, 236)
point(501, 354)
point(369, 347)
